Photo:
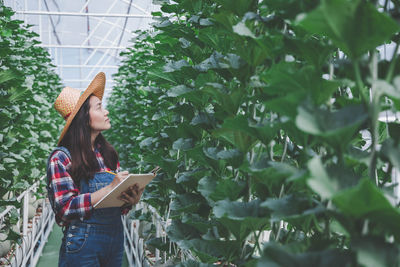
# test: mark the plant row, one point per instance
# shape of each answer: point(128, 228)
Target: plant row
point(264, 116)
point(29, 123)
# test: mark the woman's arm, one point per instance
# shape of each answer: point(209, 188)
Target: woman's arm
point(67, 202)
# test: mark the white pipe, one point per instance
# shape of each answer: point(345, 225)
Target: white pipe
point(88, 66)
point(52, 13)
point(137, 7)
point(99, 23)
point(83, 80)
point(81, 46)
point(25, 215)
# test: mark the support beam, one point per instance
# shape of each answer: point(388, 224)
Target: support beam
point(82, 14)
point(99, 23)
point(136, 6)
point(81, 46)
point(87, 66)
point(83, 80)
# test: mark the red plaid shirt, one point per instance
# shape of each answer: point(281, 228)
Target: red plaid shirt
point(69, 203)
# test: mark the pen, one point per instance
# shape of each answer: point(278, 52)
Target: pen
point(111, 172)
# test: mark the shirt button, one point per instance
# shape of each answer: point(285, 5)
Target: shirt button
point(70, 235)
point(73, 227)
point(69, 243)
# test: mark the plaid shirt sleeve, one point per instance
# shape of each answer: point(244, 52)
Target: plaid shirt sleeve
point(69, 204)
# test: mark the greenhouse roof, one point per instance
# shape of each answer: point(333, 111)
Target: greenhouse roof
point(84, 37)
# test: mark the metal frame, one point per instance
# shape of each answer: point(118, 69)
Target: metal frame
point(82, 46)
point(34, 230)
point(83, 14)
point(97, 47)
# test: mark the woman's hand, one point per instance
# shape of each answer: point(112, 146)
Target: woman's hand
point(132, 195)
point(119, 177)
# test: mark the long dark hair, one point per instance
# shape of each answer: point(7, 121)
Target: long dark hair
point(78, 141)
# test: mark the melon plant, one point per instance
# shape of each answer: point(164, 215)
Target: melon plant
point(29, 124)
point(263, 116)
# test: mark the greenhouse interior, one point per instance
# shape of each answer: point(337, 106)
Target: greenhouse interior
point(200, 133)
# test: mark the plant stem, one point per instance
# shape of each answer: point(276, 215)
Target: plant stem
point(385, 6)
point(256, 245)
point(284, 148)
point(359, 82)
point(389, 75)
point(374, 112)
point(279, 231)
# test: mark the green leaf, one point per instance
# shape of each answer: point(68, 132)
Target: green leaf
point(188, 202)
point(7, 75)
point(158, 243)
point(320, 181)
point(336, 127)
point(239, 7)
point(242, 30)
point(394, 131)
point(375, 252)
point(368, 202)
point(237, 131)
point(183, 144)
point(355, 26)
point(241, 218)
point(211, 250)
point(390, 151)
point(292, 207)
point(179, 90)
point(178, 231)
point(289, 83)
point(276, 255)
point(221, 189)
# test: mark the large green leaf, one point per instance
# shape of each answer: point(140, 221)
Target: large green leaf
point(275, 255)
point(239, 7)
point(293, 208)
point(355, 26)
point(188, 202)
point(336, 127)
point(238, 132)
point(368, 202)
point(328, 180)
point(220, 189)
point(375, 252)
point(288, 84)
point(241, 218)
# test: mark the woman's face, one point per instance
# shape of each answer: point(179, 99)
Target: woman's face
point(98, 115)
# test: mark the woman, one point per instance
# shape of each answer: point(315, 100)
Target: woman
point(80, 172)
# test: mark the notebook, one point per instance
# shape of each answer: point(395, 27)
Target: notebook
point(111, 200)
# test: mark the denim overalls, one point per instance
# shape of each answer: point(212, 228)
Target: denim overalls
point(97, 241)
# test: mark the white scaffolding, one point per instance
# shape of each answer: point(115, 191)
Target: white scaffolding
point(84, 37)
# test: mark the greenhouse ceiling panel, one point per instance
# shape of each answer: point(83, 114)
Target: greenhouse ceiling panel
point(85, 37)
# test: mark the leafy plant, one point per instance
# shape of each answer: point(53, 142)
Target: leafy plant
point(29, 124)
point(255, 111)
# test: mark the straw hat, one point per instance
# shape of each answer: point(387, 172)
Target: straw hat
point(70, 100)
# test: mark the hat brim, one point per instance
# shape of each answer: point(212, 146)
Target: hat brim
point(96, 87)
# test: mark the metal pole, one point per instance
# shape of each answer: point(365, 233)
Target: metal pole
point(25, 215)
point(82, 46)
point(98, 24)
point(52, 13)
